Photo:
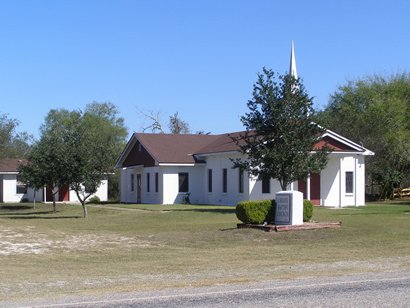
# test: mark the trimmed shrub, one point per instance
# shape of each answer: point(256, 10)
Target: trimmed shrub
point(307, 210)
point(94, 200)
point(256, 211)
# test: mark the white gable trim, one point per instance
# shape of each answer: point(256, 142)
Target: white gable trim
point(125, 152)
point(130, 144)
point(177, 164)
point(347, 142)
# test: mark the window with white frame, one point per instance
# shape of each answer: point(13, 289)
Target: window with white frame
point(349, 182)
point(183, 179)
point(21, 188)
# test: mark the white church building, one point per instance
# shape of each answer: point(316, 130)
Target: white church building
point(163, 168)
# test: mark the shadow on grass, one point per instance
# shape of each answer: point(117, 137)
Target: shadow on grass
point(15, 207)
point(43, 217)
point(219, 211)
point(228, 229)
point(24, 214)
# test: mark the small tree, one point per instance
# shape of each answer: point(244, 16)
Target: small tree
point(97, 144)
point(76, 149)
point(48, 158)
point(280, 137)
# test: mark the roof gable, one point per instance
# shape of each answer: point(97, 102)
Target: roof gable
point(334, 145)
point(163, 148)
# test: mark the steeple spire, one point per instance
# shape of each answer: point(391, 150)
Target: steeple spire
point(292, 69)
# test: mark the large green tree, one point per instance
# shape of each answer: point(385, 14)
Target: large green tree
point(77, 148)
point(280, 135)
point(376, 112)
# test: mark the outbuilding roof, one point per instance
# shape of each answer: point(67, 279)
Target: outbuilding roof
point(10, 164)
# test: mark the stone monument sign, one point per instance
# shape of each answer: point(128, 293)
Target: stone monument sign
point(289, 208)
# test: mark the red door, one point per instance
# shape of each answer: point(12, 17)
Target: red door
point(302, 188)
point(314, 188)
point(63, 193)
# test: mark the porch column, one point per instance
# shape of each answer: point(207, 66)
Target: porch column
point(341, 177)
point(308, 187)
point(355, 181)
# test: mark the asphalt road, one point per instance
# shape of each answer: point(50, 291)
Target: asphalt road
point(366, 290)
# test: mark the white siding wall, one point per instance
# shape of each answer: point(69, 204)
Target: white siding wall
point(252, 187)
point(347, 164)
point(256, 190)
point(217, 163)
point(128, 196)
point(10, 190)
point(333, 181)
point(152, 196)
point(329, 183)
point(171, 184)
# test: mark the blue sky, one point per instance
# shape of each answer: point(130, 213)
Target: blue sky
point(197, 57)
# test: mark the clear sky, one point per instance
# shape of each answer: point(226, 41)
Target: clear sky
point(197, 57)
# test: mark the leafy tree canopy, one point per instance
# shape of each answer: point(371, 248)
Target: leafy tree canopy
point(280, 136)
point(376, 112)
point(13, 144)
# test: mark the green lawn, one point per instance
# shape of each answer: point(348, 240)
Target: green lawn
point(157, 246)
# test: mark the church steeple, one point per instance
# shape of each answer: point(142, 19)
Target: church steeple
point(292, 69)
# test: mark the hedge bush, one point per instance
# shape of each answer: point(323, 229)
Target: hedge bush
point(256, 211)
point(307, 210)
point(94, 200)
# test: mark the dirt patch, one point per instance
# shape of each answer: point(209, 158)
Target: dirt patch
point(28, 241)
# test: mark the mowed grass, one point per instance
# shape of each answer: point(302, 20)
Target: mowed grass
point(141, 247)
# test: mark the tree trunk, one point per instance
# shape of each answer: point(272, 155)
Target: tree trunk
point(54, 203)
point(283, 185)
point(34, 203)
point(85, 212)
